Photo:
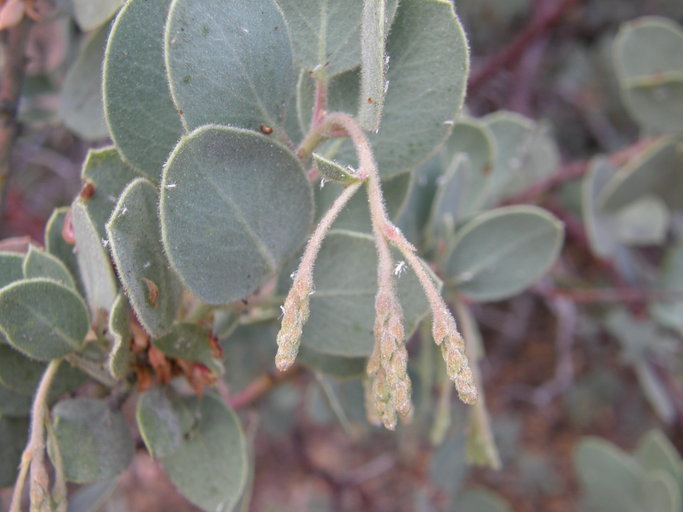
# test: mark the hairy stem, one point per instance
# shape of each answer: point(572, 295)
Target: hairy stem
point(260, 386)
point(33, 457)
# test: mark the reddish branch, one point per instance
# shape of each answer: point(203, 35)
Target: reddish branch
point(14, 41)
point(261, 386)
point(536, 29)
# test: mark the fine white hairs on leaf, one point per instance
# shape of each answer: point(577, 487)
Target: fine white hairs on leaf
point(400, 268)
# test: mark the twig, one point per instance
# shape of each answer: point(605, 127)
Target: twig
point(513, 51)
point(15, 41)
point(261, 386)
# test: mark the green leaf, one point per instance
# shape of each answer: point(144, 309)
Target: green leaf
point(655, 171)
point(332, 171)
point(141, 115)
point(249, 351)
point(670, 281)
point(649, 67)
point(656, 452)
point(153, 290)
point(342, 307)
point(18, 373)
point(448, 200)
point(93, 260)
point(94, 440)
point(660, 492)
point(241, 43)
point(501, 252)
point(373, 65)
point(427, 73)
point(480, 500)
point(356, 215)
point(13, 404)
point(13, 432)
point(43, 319)
point(600, 225)
point(190, 342)
point(643, 222)
point(159, 425)
point(107, 175)
point(57, 246)
point(234, 205)
point(526, 154)
point(326, 34)
point(81, 107)
point(119, 326)
point(210, 467)
point(42, 264)
point(11, 267)
point(90, 14)
point(609, 477)
point(335, 366)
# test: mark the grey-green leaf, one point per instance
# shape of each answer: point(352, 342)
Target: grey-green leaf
point(660, 492)
point(159, 425)
point(190, 342)
point(38, 263)
point(326, 34)
point(670, 313)
point(500, 252)
point(656, 452)
point(332, 171)
point(656, 171)
point(153, 289)
point(11, 267)
point(94, 440)
point(106, 175)
point(649, 67)
point(480, 500)
point(14, 404)
point(81, 107)
point(90, 14)
point(229, 63)
point(43, 319)
point(427, 73)
point(609, 477)
point(13, 432)
point(342, 307)
point(119, 326)
point(234, 205)
point(91, 498)
point(57, 246)
point(141, 115)
point(373, 65)
point(210, 466)
point(93, 260)
point(335, 366)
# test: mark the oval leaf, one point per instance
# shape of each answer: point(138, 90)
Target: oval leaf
point(43, 319)
point(190, 342)
point(159, 425)
point(11, 267)
point(152, 288)
point(13, 432)
point(342, 307)
point(210, 466)
point(91, 14)
point(141, 115)
point(42, 264)
point(234, 205)
point(57, 246)
point(119, 362)
point(94, 440)
point(229, 62)
point(499, 253)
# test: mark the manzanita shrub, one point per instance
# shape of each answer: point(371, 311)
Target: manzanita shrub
point(295, 178)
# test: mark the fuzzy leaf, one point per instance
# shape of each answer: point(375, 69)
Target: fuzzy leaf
point(153, 290)
point(241, 43)
point(234, 205)
point(428, 69)
point(660, 492)
point(656, 452)
point(342, 307)
point(190, 342)
point(373, 65)
point(335, 366)
point(326, 34)
point(91, 498)
point(609, 477)
point(159, 425)
point(11, 267)
point(210, 466)
point(94, 440)
point(670, 313)
point(81, 107)
point(141, 115)
point(649, 66)
point(90, 14)
point(656, 171)
point(13, 432)
point(119, 326)
point(18, 373)
point(526, 153)
point(13, 404)
point(57, 246)
point(500, 252)
point(332, 171)
point(43, 319)
point(42, 264)
point(93, 260)
point(480, 500)
point(107, 175)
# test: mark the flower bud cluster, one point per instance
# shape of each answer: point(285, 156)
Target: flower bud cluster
point(295, 313)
